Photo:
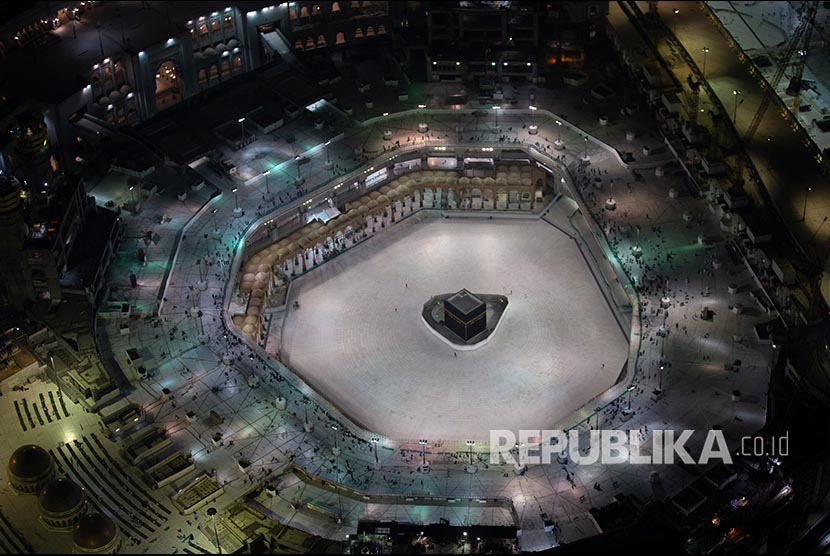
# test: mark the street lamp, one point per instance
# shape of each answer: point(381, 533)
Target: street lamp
point(132, 195)
point(496, 110)
point(585, 156)
point(328, 154)
point(242, 128)
point(533, 129)
point(558, 143)
point(299, 179)
point(705, 52)
point(472, 467)
point(423, 444)
point(212, 514)
point(804, 212)
point(235, 198)
point(674, 26)
point(630, 394)
point(659, 389)
point(736, 93)
point(267, 196)
point(375, 441)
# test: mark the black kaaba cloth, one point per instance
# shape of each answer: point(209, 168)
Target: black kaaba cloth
point(465, 314)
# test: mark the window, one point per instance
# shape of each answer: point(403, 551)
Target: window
point(381, 29)
point(228, 22)
point(592, 11)
point(358, 33)
point(304, 13)
point(202, 77)
point(214, 72)
point(298, 44)
point(226, 68)
point(237, 63)
point(309, 43)
point(335, 8)
point(321, 41)
point(340, 38)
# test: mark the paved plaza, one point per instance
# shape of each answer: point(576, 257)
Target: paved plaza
point(359, 340)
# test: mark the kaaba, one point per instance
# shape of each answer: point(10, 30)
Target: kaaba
point(465, 314)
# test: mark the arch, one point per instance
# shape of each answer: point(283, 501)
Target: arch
point(381, 29)
point(316, 11)
point(214, 72)
point(292, 15)
point(309, 43)
point(358, 33)
point(298, 44)
point(304, 13)
point(203, 76)
point(335, 8)
point(237, 63)
point(226, 68)
point(169, 86)
point(340, 38)
point(370, 31)
point(321, 41)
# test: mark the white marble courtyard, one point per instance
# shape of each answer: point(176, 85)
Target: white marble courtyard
point(359, 340)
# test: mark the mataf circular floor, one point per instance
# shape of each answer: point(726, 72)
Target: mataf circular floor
point(557, 347)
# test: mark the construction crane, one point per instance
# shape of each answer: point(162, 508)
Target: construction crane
point(800, 40)
point(795, 86)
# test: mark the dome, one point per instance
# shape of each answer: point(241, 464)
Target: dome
point(94, 531)
point(30, 462)
point(60, 496)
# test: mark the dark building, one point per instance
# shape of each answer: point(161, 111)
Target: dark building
point(55, 240)
point(465, 314)
point(507, 41)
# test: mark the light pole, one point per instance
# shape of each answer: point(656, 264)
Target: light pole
point(236, 211)
point(533, 129)
point(812, 237)
point(267, 196)
point(423, 444)
point(736, 93)
point(674, 26)
point(212, 513)
point(496, 111)
point(630, 394)
point(375, 441)
point(299, 178)
point(659, 389)
point(558, 143)
point(705, 52)
point(804, 211)
point(132, 195)
point(472, 467)
point(242, 128)
point(585, 156)
point(328, 154)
